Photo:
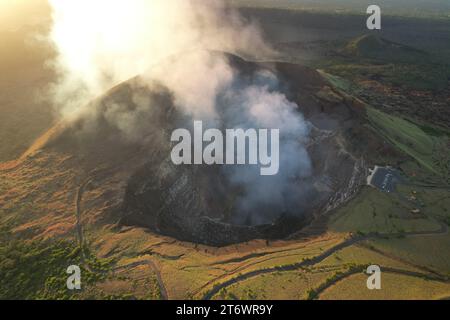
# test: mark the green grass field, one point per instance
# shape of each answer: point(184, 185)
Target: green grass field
point(430, 150)
point(376, 212)
point(430, 251)
point(293, 285)
point(393, 286)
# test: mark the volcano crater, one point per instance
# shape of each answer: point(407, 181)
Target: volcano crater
point(201, 203)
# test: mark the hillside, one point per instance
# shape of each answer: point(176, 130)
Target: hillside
point(415, 8)
point(370, 46)
point(85, 186)
point(364, 175)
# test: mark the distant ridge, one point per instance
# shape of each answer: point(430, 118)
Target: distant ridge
point(374, 47)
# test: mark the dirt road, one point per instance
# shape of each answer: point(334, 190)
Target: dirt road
point(317, 259)
point(81, 239)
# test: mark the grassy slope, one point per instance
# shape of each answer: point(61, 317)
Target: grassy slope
point(430, 251)
point(293, 285)
point(37, 270)
point(373, 211)
point(429, 150)
point(393, 286)
point(189, 271)
point(28, 191)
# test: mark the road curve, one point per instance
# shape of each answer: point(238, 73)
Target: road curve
point(162, 287)
point(312, 261)
point(350, 273)
point(305, 263)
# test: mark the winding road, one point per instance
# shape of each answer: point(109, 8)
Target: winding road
point(241, 277)
point(317, 259)
point(352, 272)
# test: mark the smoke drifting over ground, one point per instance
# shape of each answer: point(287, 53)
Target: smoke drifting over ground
point(102, 43)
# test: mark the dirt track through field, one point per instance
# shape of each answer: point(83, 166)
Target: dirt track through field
point(78, 212)
point(81, 240)
point(350, 273)
point(304, 263)
point(317, 259)
point(162, 288)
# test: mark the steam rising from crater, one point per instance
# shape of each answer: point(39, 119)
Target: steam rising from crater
point(102, 43)
point(105, 42)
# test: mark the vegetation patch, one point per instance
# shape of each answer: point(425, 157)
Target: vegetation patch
point(431, 151)
point(37, 270)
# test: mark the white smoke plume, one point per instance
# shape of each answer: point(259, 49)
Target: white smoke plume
point(101, 43)
point(259, 104)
